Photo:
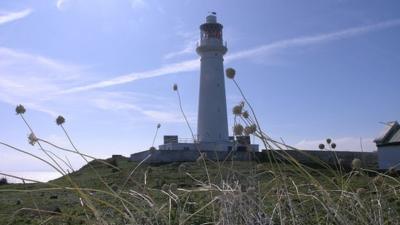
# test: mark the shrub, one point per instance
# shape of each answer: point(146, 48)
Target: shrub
point(3, 181)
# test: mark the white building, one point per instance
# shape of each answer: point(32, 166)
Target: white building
point(388, 145)
point(212, 121)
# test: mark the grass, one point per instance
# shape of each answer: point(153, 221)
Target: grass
point(244, 193)
point(278, 191)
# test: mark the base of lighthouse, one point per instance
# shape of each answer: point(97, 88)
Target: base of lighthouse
point(241, 143)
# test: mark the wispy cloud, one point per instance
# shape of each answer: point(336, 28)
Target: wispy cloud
point(191, 65)
point(36, 82)
point(39, 81)
point(312, 40)
point(186, 50)
point(12, 16)
point(189, 39)
point(184, 66)
point(132, 102)
point(32, 79)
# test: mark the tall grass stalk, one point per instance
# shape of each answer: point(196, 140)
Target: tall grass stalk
point(278, 191)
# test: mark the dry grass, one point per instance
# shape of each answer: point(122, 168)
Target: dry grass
point(117, 191)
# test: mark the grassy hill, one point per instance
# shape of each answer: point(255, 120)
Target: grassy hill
point(118, 191)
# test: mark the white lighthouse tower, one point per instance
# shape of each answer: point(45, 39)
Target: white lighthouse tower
point(212, 121)
point(212, 124)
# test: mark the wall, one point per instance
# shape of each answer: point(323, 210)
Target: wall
point(307, 157)
point(389, 156)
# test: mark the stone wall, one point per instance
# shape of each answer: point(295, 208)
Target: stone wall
point(168, 156)
point(320, 158)
point(306, 157)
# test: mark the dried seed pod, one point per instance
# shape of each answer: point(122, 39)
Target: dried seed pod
point(60, 120)
point(165, 187)
point(245, 114)
point(32, 139)
point(238, 129)
point(173, 187)
point(356, 164)
point(378, 180)
point(152, 149)
point(20, 109)
point(237, 110)
point(230, 73)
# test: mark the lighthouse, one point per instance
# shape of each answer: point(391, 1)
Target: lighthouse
point(212, 122)
point(212, 119)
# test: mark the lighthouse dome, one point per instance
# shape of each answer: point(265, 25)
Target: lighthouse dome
point(211, 18)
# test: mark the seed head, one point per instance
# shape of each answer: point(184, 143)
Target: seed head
point(175, 87)
point(32, 139)
point(328, 140)
point(245, 114)
point(250, 129)
point(321, 146)
point(333, 145)
point(20, 109)
point(149, 170)
point(165, 187)
point(152, 149)
point(361, 191)
point(158, 126)
point(237, 110)
point(230, 73)
point(378, 180)
point(356, 164)
point(182, 168)
point(173, 187)
point(392, 171)
point(238, 129)
point(60, 120)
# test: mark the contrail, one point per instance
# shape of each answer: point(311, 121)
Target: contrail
point(315, 39)
point(192, 65)
point(184, 66)
point(12, 16)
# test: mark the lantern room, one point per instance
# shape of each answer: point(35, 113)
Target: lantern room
point(211, 29)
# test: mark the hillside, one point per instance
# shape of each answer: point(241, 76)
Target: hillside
point(125, 192)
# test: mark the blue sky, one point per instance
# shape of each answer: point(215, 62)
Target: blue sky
point(311, 69)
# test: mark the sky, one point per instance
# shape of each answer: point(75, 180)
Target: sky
point(311, 69)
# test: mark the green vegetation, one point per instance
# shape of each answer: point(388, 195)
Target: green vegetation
point(179, 193)
point(278, 191)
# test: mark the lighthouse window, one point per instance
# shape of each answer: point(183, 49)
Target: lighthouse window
point(211, 33)
point(219, 35)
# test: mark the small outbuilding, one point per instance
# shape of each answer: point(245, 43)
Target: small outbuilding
point(388, 145)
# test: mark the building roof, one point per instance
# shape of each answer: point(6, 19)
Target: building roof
point(390, 135)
